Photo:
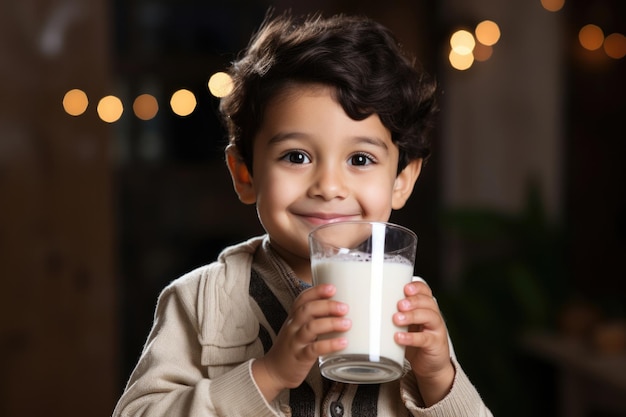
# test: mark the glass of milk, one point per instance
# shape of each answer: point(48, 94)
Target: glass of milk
point(369, 263)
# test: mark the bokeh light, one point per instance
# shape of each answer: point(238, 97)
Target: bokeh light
point(462, 42)
point(183, 102)
point(591, 37)
point(615, 45)
point(110, 109)
point(487, 32)
point(482, 52)
point(220, 84)
point(145, 106)
point(553, 5)
point(75, 102)
point(461, 62)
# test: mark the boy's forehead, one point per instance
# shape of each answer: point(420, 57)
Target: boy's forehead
point(312, 114)
point(316, 107)
point(293, 91)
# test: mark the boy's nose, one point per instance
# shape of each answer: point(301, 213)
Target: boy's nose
point(329, 183)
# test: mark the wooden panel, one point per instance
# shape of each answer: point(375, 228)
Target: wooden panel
point(57, 318)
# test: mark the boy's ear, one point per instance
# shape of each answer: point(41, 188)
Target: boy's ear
point(242, 180)
point(404, 183)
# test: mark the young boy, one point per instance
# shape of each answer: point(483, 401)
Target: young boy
point(328, 122)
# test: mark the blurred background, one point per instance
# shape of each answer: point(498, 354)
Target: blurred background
point(112, 184)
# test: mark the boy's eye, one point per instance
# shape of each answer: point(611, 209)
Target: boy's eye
point(361, 159)
point(296, 157)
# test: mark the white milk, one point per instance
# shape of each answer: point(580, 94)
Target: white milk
point(353, 280)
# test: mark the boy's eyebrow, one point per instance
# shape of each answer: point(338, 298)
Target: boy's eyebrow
point(371, 140)
point(282, 136)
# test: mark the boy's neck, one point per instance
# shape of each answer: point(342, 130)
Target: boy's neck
point(305, 275)
point(300, 266)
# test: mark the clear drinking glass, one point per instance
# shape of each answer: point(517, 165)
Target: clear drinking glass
point(369, 263)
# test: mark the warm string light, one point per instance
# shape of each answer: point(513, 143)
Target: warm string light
point(75, 102)
point(591, 37)
point(615, 45)
point(467, 47)
point(487, 33)
point(220, 84)
point(145, 106)
point(553, 5)
point(110, 109)
point(183, 102)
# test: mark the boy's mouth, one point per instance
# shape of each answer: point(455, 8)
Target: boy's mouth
point(318, 219)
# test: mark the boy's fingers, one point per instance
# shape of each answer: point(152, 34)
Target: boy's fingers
point(419, 301)
point(415, 339)
point(325, 346)
point(310, 333)
point(325, 325)
point(417, 287)
point(317, 292)
point(317, 309)
point(427, 318)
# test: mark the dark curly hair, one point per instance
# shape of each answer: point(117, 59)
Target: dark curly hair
point(358, 57)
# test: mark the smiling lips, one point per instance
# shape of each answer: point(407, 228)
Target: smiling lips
point(318, 219)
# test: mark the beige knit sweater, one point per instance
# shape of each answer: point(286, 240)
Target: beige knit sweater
point(206, 333)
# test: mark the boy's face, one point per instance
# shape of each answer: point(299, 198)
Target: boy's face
point(314, 165)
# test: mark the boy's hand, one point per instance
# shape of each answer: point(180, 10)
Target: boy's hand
point(297, 347)
point(426, 342)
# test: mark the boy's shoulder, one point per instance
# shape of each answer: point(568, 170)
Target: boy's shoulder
point(218, 292)
point(231, 263)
